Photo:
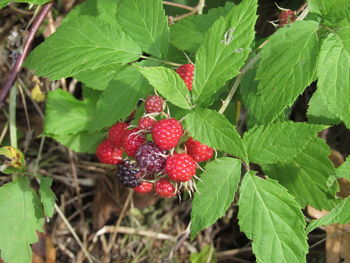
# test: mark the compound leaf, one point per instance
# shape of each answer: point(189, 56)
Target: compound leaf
point(145, 22)
point(343, 171)
point(21, 216)
point(47, 196)
point(83, 43)
point(216, 191)
point(287, 67)
point(224, 51)
point(307, 176)
point(271, 217)
point(213, 129)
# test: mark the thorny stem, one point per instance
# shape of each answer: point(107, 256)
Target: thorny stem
point(163, 61)
point(251, 64)
point(190, 8)
point(17, 67)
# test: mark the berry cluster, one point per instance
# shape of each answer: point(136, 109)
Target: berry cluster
point(160, 155)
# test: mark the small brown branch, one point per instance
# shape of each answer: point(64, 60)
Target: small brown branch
point(190, 8)
point(18, 65)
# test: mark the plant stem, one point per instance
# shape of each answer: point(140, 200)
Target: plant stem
point(200, 6)
point(12, 119)
point(198, 9)
point(17, 67)
point(190, 8)
point(163, 61)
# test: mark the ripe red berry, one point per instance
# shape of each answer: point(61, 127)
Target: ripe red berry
point(108, 153)
point(167, 133)
point(180, 167)
point(146, 123)
point(116, 132)
point(286, 17)
point(144, 187)
point(132, 140)
point(199, 152)
point(186, 73)
point(164, 188)
point(154, 104)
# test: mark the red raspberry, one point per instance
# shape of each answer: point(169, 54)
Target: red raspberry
point(180, 167)
point(107, 152)
point(154, 104)
point(132, 140)
point(144, 187)
point(146, 123)
point(167, 133)
point(199, 152)
point(186, 73)
point(164, 188)
point(116, 132)
point(286, 17)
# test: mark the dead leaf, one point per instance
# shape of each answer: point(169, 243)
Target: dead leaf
point(44, 250)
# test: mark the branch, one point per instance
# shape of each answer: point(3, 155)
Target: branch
point(18, 65)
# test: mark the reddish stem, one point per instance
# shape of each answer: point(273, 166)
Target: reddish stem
point(18, 65)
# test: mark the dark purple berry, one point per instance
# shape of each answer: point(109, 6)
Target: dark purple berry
point(151, 158)
point(129, 174)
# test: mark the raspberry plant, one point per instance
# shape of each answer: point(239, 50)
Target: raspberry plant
point(126, 51)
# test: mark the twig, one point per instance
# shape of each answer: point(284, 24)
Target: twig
point(178, 5)
point(12, 121)
point(86, 253)
point(198, 9)
point(15, 70)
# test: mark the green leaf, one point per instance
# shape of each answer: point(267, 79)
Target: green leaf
point(146, 23)
point(206, 255)
point(67, 115)
point(33, 2)
point(21, 217)
point(334, 76)
point(338, 215)
point(286, 68)
point(268, 144)
point(214, 130)
point(169, 84)
point(84, 43)
point(343, 171)
point(224, 51)
point(271, 217)
point(47, 196)
point(216, 191)
point(83, 142)
point(189, 33)
point(120, 98)
point(307, 175)
point(330, 9)
point(104, 10)
point(99, 78)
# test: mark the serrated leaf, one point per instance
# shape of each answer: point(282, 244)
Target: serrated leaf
point(169, 84)
point(216, 191)
point(268, 144)
point(207, 255)
point(189, 33)
point(338, 215)
point(99, 78)
point(307, 175)
point(145, 22)
point(271, 217)
point(21, 217)
point(33, 2)
point(120, 98)
point(104, 10)
point(334, 76)
point(224, 51)
point(343, 171)
point(286, 68)
point(84, 43)
point(330, 9)
point(47, 196)
point(66, 115)
point(214, 130)
point(82, 142)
